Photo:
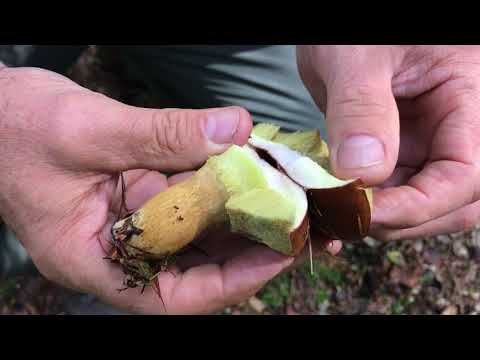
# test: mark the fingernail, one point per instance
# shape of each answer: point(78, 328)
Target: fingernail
point(222, 125)
point(360, 151)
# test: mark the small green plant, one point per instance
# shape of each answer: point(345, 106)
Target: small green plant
point(400, 306)
point(427, 278)
point(277, 292)
point(322, 296)
point(396, 258)
point(330, 276)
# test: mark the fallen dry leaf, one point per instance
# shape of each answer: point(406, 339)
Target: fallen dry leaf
point(450, 310)
point(291, 311)
point(257, 304)
point(405, 277)
point(460, 250)
point(418, 246)
point(31, 309)
point(433, 257)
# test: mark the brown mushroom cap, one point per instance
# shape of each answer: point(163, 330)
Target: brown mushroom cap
point(341, 213)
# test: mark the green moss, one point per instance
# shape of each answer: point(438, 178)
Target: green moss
point(400, 307)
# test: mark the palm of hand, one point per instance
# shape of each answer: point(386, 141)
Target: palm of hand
point(228, 269)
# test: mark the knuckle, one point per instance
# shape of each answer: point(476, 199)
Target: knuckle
point(172, 131)
point(388, 235)
point(65, 105)
point(219, 290)
point(360, 100)
point(65, 118)
point(465, 93)
point(414, 218)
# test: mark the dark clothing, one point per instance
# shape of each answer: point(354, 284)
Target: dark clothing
point(263, 79)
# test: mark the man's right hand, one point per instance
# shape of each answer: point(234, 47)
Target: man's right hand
point(405, 120)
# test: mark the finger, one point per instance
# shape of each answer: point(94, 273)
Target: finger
point(178, 178)
point(363, 124)
point(319, 247)
point(143, 185)
point(139, 186)
point(334, 247)
point(415, 134)
point(308, 70)
point(440, 188)
point(448, 181)
point(463, 219)
point(400, 176)
point(203, 289)
point(176, 140)
point(361, 113)
point(116, 137)
point(132, 176)
point(231, 283)
point(215, 247)
point(321, 244)
point(144, 189)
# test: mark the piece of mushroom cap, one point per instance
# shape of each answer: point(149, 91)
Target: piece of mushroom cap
point(339, 209)
point(264, 204)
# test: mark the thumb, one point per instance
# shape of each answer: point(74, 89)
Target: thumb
point(172, 140)
point(363, 126)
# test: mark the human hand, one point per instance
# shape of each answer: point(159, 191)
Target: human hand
point(407, 117)
point(63, 148)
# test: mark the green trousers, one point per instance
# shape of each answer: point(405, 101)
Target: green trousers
point(263, 79)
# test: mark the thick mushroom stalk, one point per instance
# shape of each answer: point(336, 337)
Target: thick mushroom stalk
point(340, 209)
point(236, 187)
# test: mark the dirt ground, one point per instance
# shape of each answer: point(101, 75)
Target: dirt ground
point(437, 275)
